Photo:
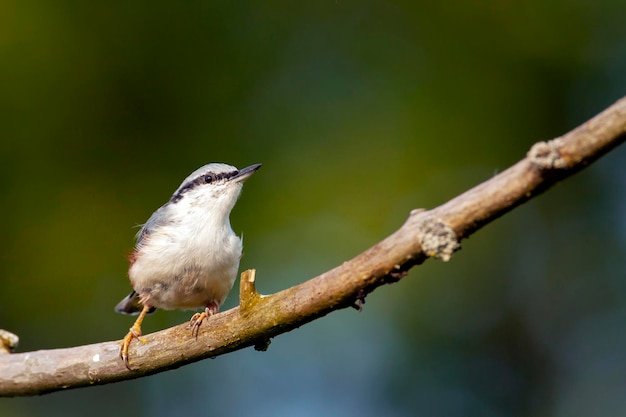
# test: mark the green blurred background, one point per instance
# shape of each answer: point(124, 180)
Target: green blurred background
point(359, 111)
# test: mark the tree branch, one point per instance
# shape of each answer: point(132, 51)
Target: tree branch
point(434, 233)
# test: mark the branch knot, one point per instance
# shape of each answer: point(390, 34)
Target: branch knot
point(437, 239)
point(547, 155)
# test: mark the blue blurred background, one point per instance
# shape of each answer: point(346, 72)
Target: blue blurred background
point(360, 111)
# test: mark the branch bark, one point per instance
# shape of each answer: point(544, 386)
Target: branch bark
point(433, 233)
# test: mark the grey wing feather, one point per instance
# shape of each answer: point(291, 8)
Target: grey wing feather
point(157, 219)
point(131, 304)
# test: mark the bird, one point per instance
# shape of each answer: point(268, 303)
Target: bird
point(186, 255)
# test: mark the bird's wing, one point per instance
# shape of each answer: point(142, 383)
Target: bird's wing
point(157, 219)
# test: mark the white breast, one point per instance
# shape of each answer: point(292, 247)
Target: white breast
point(188, 263)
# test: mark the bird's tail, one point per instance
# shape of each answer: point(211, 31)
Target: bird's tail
point(131, 305)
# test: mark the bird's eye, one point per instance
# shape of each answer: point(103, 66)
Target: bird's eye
point(208, 178)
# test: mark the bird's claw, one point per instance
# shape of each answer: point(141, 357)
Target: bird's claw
point(133, 333)
point(196, 321)
point(198, 318)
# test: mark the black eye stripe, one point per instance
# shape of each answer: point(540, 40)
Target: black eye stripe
point(206, 178)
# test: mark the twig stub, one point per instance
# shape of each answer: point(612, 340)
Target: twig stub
point(8, 342)
point(248, 295)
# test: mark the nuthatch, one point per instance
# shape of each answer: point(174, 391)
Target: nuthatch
point(187, 254)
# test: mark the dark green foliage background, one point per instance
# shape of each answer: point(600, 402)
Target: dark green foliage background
point(359, 111)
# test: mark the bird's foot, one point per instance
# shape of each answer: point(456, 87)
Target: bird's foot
point(198, 318)
point(133, 333)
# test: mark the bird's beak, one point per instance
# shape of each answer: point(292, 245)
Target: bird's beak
point(246, 172)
